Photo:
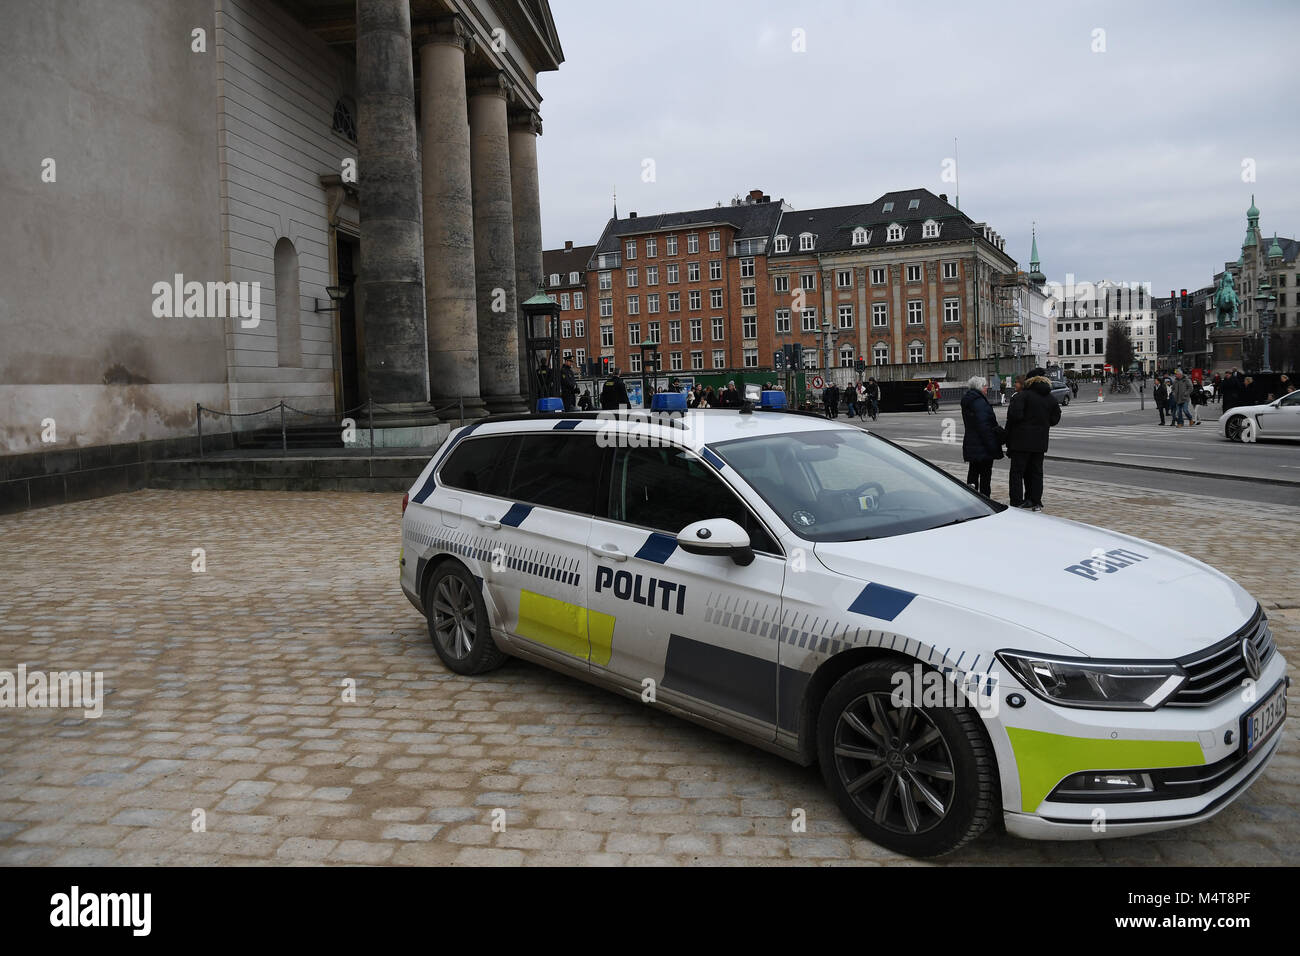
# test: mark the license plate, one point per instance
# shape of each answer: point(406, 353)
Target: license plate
point(1265, 718)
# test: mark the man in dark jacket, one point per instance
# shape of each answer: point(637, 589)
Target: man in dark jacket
point(979, 445)
point(1162, 398)
point(1032, 413)
point(568, 384)
point(613, 394)
point(831, 399)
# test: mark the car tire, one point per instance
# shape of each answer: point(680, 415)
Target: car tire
point(953, 768)
point(1066, 400)
point(458, 621)
point(1234, 428)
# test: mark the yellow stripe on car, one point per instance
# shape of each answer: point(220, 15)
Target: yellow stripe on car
point(566, 627)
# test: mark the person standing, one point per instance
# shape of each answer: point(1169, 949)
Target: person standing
point(873, 397)
point(568, 384)
point(851, 399)
point(1198, 399)
point(831, 400)
point(613, 394)
point(1161, 395)
point(979, 444)
point(1180, 393)
point(584, 401)
point(1030, 417)
point(932, 397)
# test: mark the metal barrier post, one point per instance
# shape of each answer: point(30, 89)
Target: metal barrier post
point(284, 442)
point(198, 420)
point(370, 411)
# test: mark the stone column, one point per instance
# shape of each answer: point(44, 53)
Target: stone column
point(391, 280)
point(935, 318)
point(526, 202)
point(494, 245)
point(899, 317)
point(450, 291)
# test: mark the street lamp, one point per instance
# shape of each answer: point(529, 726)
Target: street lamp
point(1264, 300)
point(336, 293)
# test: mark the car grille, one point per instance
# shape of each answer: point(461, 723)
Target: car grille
point(1219, 670)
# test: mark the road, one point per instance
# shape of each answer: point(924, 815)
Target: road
point(1118, 441)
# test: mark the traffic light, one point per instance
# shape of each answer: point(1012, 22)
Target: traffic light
point(861, 365)
point(778, 360)
point(604, 365)
point(1180, 346)
point(796, 355)
point(1182, 299)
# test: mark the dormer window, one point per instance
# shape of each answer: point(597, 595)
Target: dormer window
point(860, 236)
point(914, 204)
point(805, 241)
point(887, 207)
point(930, 229)
point(573, 278)
point(555, 278)
point(895, 233)
point(782, 243)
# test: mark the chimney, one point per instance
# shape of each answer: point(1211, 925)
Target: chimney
point(631, 215)
point(568, 245)
point(943, 197)
point(756, 195)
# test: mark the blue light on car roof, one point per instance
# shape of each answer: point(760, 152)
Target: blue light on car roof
point(668, 402)
point(773, 398)
point(550, 405)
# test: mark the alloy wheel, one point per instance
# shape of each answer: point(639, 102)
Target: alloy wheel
point(453, 617)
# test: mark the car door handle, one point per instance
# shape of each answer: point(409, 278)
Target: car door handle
point(609, 551)
point(488, 522)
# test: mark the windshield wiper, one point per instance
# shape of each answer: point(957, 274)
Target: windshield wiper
point(955, 521)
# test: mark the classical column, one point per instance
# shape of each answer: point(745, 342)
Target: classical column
point(526, 202)
point(934, 319)
point(494, 245)
point(391, 280)
point(899, 318)
point(450, 291)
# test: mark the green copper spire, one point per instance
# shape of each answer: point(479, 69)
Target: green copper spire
point(1252, 212)
point(1252, 225)
point(1275, 249)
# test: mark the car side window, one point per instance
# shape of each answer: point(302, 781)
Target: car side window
point(481, 465)
point(668, 488)
point(557, 471)
point(1292, 399)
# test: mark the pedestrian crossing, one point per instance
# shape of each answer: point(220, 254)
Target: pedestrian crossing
point(1143, 432)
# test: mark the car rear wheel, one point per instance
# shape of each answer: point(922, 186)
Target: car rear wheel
point(917, 780)
point(1235, 428)
point(458, 621)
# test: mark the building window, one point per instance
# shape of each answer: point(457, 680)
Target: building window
point(887, 207)
point(878, 276)
point(808, 320)
point(952, 310)
point(719, 358)
point(805, 241)
point(580, 328)
point(555, 278)
point(844, 279)
point(781, 284)
point(782, 244)
point(675, 331)
point(880, 355)
point(950, 270)
point(345, 119)
point(846, 316)
point(606, 282)
point(692, 244)
point(930, 229)
point(631, 249)
point(747, 268)
point(715, 298)
point(694, 297)
point(846, 357)
point(632, 278)
point(715, 241)
point(674, 302)
point(952, 351)
point(652, 275)
point(750, 357)
point(651, 247)
point(573, 278)
point(634, 333)
point(808, 281)
point(673, 274)
point(913, 273)
point(633, 305)
point(607, 336)
point(717, 328)
point(652, 332)
point(606, 308)
point(671, 243)
point(916, 353)
point(859, 236)
point(697, 361)
point(748, 296)
point(675, 361)
point(692, 272)
point(782, 321)
point(553, 297)
point(580, 357)
point(697, 330)
point(811, 359)
point(652, 302)
point(914, 314)
point(566, 329)
point(634, 362)
point(715, 270)
point(564, 301)
point(749, 326)
point(895, 233)
point(879, 315)
point(577, 300)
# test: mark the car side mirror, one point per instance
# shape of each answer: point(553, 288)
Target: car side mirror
point(719, 537)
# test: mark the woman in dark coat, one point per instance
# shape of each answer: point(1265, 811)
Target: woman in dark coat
point(980, 445)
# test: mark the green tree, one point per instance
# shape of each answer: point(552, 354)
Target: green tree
point(1119, 348)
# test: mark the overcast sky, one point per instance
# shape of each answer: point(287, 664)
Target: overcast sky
point(1130, 160)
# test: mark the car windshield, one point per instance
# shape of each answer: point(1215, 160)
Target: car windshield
point(847, 485)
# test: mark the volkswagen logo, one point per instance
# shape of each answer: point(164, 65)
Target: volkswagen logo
point(1250, 654)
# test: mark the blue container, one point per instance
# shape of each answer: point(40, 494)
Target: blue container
point(772, 399)
point(550, 404)
point(668, 402)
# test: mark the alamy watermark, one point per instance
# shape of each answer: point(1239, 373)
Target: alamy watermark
point(57, 689)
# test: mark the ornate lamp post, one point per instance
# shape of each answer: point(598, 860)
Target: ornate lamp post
point(1264, 300)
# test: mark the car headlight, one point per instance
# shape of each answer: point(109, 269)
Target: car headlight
point(1103, 685)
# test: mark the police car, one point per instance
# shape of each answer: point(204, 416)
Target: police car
point(828, 596)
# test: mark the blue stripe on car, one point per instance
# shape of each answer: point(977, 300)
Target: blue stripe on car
point(431, 483)
point(658, 547)
point(882, 601)
point(712, 459)
point(568, 424)
point(517, 513)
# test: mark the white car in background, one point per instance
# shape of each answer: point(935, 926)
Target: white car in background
point(818, 592)
point(1279, 418)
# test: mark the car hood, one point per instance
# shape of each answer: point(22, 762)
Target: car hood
point(1013, 566)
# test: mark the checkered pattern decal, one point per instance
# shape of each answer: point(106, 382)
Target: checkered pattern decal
point(536, 562)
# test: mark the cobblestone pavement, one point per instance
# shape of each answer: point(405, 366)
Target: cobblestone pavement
point(225, 694)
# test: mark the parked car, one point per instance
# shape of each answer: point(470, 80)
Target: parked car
point(1061, 391)
point(936, 692)
point(1279, 418)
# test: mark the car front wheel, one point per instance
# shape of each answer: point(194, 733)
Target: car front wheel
point(1235, 428)
point(918, 780)
point(458, 621)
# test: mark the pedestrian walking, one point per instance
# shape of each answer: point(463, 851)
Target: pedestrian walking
point(873, 397)
point(1180, 392)
point(1161, 394)
point(980, 445)
point(1199, 398)
point(831, 400)
point(932, 397)
point(1030, 417)
point(851, 400)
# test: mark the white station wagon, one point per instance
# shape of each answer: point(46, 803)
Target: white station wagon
point(825, 595)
